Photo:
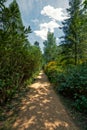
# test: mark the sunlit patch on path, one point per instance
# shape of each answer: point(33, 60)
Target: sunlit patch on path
point(41, 109)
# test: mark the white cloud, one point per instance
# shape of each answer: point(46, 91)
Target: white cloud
point(54, 13)
point(42, 33)
point(35, 21)
point(45, 27)
point(51, 25)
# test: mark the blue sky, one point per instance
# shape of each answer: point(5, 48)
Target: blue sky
point(42, 16)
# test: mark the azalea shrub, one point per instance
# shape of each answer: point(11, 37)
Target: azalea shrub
point(52, 70)
point(70, 81)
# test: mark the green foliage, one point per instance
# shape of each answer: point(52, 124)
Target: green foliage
point(71, 81)
point(81, 103)
point(18, 60)
point(50, 48)
point(68, 68)
point(52, 70)
point(74, 47)
point(75, 82)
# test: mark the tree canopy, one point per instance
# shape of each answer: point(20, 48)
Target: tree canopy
point(50, 47)
point(18, 61)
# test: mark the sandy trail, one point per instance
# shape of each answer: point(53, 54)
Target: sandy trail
point(42, 109)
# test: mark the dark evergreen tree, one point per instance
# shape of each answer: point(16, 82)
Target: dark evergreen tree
point(18, 60)
point(36, 43)
point(72, 28)
point(50, 48)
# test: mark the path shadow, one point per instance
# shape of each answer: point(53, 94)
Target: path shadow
point(40, 110)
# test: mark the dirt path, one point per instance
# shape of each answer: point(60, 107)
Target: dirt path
point(42, 109)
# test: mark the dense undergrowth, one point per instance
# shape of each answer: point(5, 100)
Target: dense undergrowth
point(71, 81)
point(18, 60)
point(66, 64)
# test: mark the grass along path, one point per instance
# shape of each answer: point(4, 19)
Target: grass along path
point(39, 109)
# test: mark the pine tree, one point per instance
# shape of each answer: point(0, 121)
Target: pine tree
point(50, 47)
point(71, 29)
point(83, 32)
